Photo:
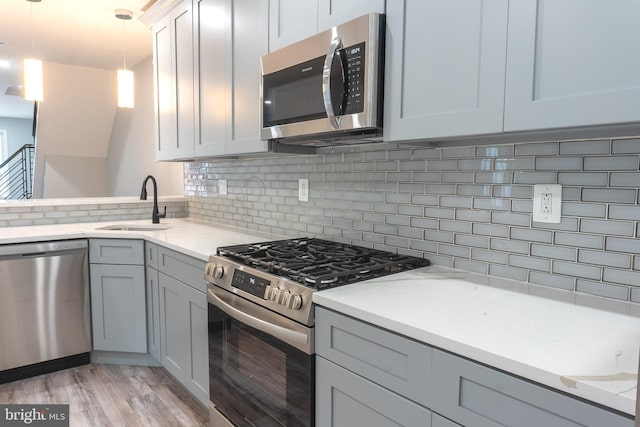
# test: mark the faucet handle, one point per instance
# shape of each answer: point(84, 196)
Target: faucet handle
point(163, 214)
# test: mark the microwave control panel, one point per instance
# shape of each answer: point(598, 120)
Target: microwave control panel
point(353, 57)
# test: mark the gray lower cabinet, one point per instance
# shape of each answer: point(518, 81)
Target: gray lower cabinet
point(476, 395)
point(153, 299)
point(118, 305)
point(366, 375)
point(183, 315)
point(346, 399)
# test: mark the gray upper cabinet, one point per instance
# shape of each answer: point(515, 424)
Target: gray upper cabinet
point(572, 63)
point(232, 35)
point(445, 68)
point(294, 20)
point(291, 21)
point(332, 12)
point(212, 25)
point(173, 46)
point(249, 41)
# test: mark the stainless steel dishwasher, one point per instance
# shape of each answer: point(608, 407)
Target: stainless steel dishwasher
point(44, 307)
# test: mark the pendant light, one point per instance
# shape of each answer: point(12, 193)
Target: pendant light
point(33, 76)
point(125, 77)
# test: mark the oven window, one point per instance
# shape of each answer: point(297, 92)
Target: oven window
point(255, 379)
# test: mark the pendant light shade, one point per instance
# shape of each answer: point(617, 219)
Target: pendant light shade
point(125, 77)
point(33, 80)
point(125, 88)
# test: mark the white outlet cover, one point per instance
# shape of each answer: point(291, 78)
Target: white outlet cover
point(222, 186)
point(303, 190)
point(552, 215)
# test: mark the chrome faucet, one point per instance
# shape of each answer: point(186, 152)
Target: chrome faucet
point(155, 215)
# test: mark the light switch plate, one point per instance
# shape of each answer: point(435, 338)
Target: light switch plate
point(222, 186)
point(303, 190)
point(547, 203)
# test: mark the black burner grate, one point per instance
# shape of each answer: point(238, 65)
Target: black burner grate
point(319, 263)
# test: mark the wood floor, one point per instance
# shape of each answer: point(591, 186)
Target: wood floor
point(111, 395)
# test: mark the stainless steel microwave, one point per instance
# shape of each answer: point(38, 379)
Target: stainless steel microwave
point(326, 89)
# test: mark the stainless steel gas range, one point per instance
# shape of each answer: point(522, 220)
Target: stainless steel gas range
point(261, 323)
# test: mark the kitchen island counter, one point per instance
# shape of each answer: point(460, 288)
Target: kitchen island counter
point(558, 339)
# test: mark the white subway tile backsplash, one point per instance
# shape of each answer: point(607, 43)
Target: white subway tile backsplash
point(608, 195)
point(558, 163)
point(607, 227)
point(603, 289)
point(468, 207)
point(552, 280)
point(604, 258)
point(631, 213)
point(583, 178)
point(625, 146)
point(611, 163)
point(585, 147)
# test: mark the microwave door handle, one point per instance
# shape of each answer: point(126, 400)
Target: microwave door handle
point(336, 44)
point(297, 339)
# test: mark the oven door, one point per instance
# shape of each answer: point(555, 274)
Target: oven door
point(261, 365)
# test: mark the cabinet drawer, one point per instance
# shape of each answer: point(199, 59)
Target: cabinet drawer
point(151, 255)
point(346, 399)
point(116, 251)
point(388, 359)
point(182, 267)
point(475, 395)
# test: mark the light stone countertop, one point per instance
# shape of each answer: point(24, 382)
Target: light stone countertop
point(569, 346)
point(198, 239)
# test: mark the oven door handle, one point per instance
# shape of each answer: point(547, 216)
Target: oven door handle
point(248, 314)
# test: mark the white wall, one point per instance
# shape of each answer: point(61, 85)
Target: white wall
point(132, 145)
point(18, 132)
point(74, 120)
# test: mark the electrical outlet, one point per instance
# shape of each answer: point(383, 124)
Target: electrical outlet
point(303, 190)
point(547, 203)
point(222, 186)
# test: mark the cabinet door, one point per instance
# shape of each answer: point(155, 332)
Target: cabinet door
point(174, 339)
point(572, 63)
point(249, 41)
point(164, 89)
point(213, 22)
point(198, 374)
point(291, 21)
point(332, 12)
point(153, 313)
point(445, 65)
point(474, 395)
point(183, 52)
point(183, 335)
point(344, 399)
point(118, 308)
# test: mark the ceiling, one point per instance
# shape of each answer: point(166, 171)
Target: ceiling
point(73, 32)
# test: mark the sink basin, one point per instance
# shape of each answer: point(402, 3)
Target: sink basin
point(135, 227)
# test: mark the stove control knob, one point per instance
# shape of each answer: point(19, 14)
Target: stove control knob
point(276, 295)
point(295, 302)
point(272, 293)
point(218, 271)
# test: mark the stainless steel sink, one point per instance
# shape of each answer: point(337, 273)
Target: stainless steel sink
point(135, 227)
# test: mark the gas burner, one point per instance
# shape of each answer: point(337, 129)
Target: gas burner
point(320, 263)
